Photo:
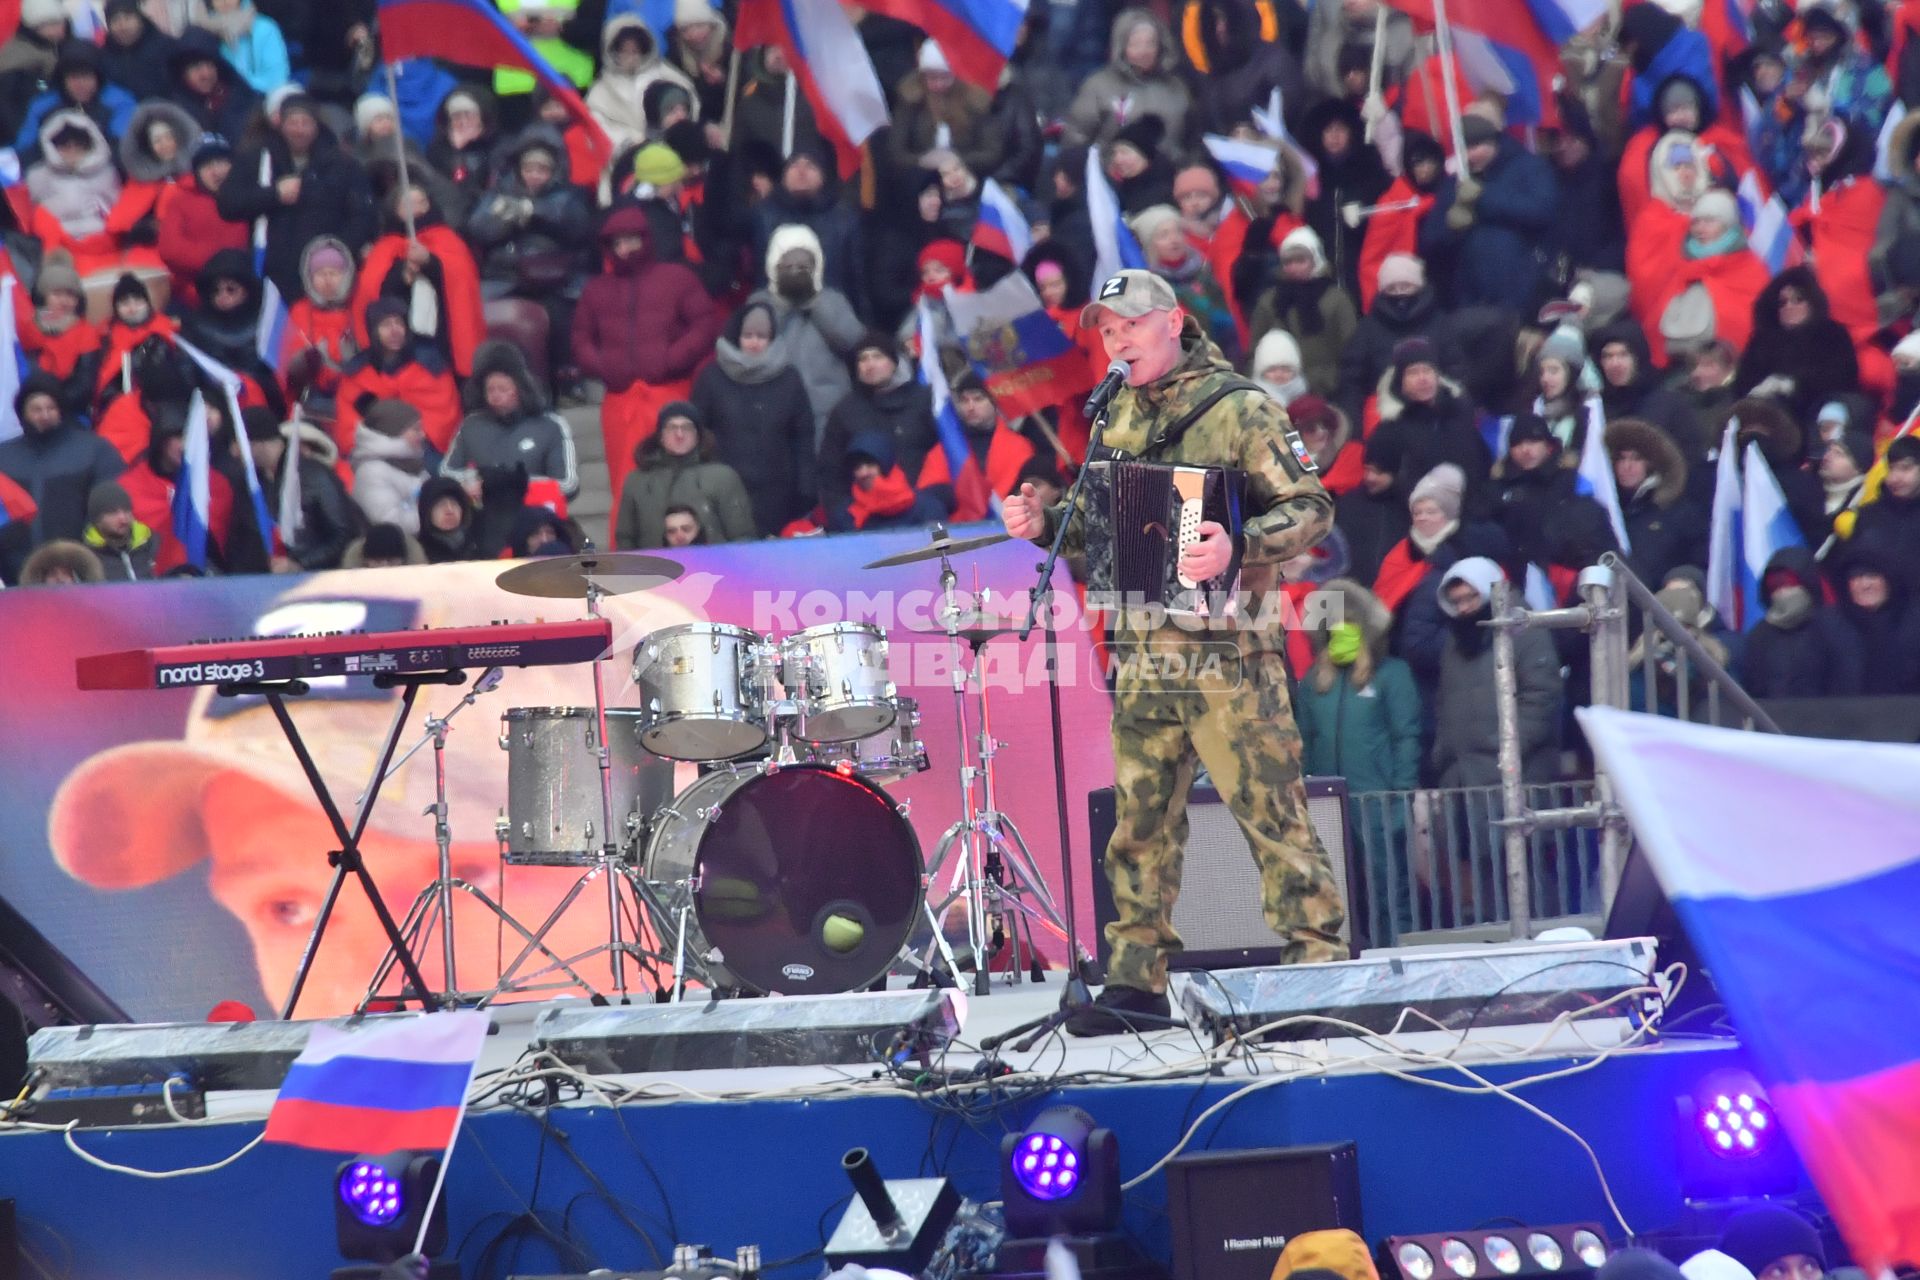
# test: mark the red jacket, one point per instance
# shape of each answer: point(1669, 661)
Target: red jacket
point(192, 231)
point(1635, 185)
point(153, 506)
point(1390, 233)
point(60, 353)
point(642, 321)
point(322, 329)
point(420, 379)
point(1841, 234)
point(460, 278)
point(1660, 271)
point(1006, 454)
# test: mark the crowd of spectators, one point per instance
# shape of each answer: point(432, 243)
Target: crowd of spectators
point(470, 275)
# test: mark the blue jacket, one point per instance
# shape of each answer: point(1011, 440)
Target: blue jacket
point(112, 111)
point(260, 56)
point(1499, 261)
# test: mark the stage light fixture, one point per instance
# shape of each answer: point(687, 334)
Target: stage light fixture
point(1060, 1176)
point(1730, 1139)
point(1572, 1250)
point(379, 1203)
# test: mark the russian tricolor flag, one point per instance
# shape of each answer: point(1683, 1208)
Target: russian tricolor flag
point(1114, 245)
point(387, 1085)
point(1764, 216)
point(1001, 227)
point(1594, 476)
point(1028, 363)
point(1793, 865)
point(1751, 524)
point(1511, 33)
point(953, 436)
point(229, 383)
point(817, 37)
point(1246, 164)
point(193, 487)
point(475, 34)
point(977, 36)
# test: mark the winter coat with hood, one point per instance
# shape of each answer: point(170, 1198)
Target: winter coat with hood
point(616, 97)
point(329, 520)
point(1890, 526)
point(1118, 93)
point(1444, 429)
point(251, 42)
point(1889, 637)
point(335, 200)
point(442, 547)
point(417, 373)
point(230, 336)
point(705, 70)
point(699, 480)
point(819, 330)
point(643, 320)
point(1466, 742)
point(1316, 311)
point(1369, 353)
point(505, 231)
point(893, 502)
point(230, 107)
point(530, 435)
point(1237, 53)
point(460, 322)
point(111, 108)
point(759, 114)
point(130, 562)
point(1355, 174)
point(192, 231)
point(902, 411)
point(1643, 397)
point(962, 113)
point(1817, 356)
point(1809, 653)
point(1360, 721)
point(141, 67)
point(1500, 259)
point(59, 468)
point(762, 424)
point(835, 225)
point(148, 176)
point(71, 203)
point(468, 167)
point(388, 475)
point(1665, 528)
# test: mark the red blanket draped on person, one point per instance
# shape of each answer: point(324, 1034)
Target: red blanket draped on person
point(1734, 162)
point(466, 314)
point(1660, 271)
point(1006, 454)
point(1841, 233)
point(1391, 232)
point(890, 495)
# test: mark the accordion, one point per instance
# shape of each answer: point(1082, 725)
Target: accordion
point(1142, 515)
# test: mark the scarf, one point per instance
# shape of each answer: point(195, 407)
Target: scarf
point(1840, 492)
point(1427, 545)
point(748, 370)
point(1730, 240)
point(891, 495)
point(1399, 574)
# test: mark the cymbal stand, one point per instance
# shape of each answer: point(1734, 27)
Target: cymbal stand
point(618, 864)
point(989, 843)
point(433, 907)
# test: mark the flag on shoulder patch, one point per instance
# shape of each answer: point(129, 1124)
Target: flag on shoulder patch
point(1301, 454)
point(389, 1085)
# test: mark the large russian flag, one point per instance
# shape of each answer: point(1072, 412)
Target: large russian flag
point(1508, 31)
point(1246, 164)
point(1114, 245)
point(1001, 227)
point(1794, 867)
point(1750, 524)
point(1011, 341)
point(475, 34)
point(830, 63)
point(976, 35)
point(388, 1085)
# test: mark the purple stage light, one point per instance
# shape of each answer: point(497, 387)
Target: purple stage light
point(1736, 1125)
point(371, 1193)
point(1046, 1166)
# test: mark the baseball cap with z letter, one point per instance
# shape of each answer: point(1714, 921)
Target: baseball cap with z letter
point(1129, 293)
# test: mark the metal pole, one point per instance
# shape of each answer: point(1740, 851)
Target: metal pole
point(786, 121)
point(1513, 795)
point(400, 153)
point(1602, 589)
point(1444, 35)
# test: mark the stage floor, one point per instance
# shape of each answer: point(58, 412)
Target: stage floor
point(628, 1165)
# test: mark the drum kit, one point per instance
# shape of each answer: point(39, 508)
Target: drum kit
point(785, 867)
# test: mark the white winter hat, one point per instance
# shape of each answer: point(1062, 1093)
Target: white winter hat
point(1306, 240)
point(1477, 572)
point(370, 107)
point(1276, 347)
point(1719, 205)
point(932, 57)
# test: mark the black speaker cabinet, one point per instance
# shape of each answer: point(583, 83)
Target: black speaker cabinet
point(1218, 914)
point(1233, 1211)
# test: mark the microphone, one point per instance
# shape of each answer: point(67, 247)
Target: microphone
point(1116, 378)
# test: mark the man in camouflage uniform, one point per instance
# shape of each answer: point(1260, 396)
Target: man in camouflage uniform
point(1219, 696)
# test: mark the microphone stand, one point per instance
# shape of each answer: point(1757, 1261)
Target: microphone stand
point(1082, 970)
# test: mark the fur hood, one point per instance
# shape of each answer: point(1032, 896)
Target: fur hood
point(1662, 455)
point(796, 235)
point(1123, 27)
point(137, 158)
point(545, 136)
point(315, 439)
point(1389, 404)
point(618, 25)
point(1357, 604)
point(99, 154)
point(306, 270)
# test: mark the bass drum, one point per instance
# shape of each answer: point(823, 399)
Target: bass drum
point(805, 880)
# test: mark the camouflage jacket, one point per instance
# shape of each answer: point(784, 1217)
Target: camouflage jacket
point(1287, 510)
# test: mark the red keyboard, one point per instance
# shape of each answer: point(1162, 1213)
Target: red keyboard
point(352, 653)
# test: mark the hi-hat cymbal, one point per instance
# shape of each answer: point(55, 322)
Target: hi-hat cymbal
point(942, 546)
point(613, 573)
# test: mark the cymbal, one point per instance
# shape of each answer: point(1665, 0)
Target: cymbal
point(939, 547)
point(613, 573)
point(974, 628)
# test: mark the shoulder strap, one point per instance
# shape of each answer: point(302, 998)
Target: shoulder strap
point(1171, 436)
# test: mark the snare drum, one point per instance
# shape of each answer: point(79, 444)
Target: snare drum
point(699, 699)
point(554, 816)
point(803, 880)
point(839, 673)
point(887, 756)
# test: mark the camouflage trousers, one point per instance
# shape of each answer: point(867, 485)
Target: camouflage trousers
point(1228, 710)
